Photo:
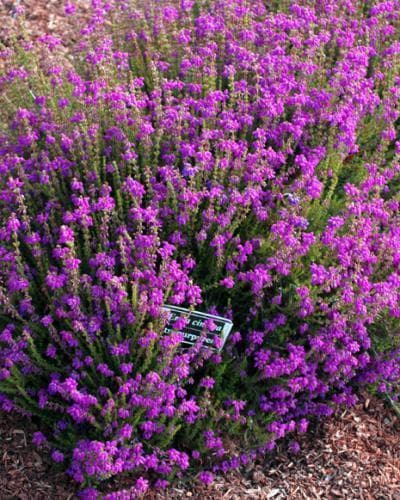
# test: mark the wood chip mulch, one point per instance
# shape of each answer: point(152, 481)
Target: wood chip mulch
point(42, 17)
point(353, 456)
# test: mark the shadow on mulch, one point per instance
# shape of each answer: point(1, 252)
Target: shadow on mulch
point(353, 456)
point(25, 473)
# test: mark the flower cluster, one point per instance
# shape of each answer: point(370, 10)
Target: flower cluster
point(239, 158)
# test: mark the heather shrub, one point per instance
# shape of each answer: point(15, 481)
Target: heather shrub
point(238, 158)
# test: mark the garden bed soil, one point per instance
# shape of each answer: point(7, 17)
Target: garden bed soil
point(353, 456)
point(42, 16)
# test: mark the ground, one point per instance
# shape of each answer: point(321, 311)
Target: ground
point(355, 455)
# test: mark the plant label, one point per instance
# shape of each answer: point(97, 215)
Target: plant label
point(196, 327)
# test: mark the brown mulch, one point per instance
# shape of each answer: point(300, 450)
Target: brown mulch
point(42, 16)
point(26, 474)
point(353, 456)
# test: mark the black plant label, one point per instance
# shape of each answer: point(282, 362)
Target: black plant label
point(196, 327)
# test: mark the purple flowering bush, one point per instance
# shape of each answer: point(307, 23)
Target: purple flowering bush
point(238, 158)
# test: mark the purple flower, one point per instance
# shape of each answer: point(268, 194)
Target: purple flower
point(294, 447)
point(57, 456)
point(69, 8)
point(206, 477)
point(38, 438)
